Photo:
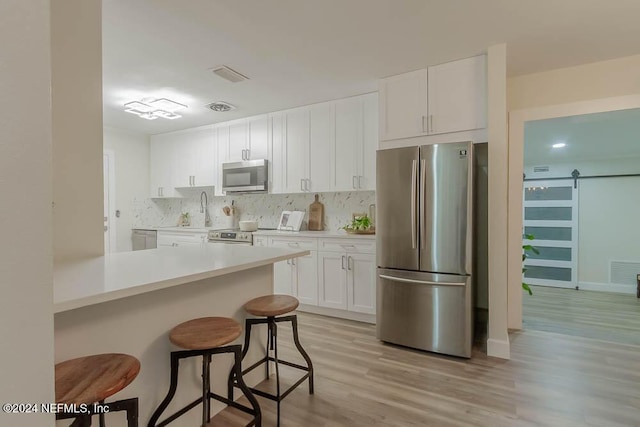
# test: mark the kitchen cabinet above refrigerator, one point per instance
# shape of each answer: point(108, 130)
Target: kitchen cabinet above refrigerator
point(442, 99)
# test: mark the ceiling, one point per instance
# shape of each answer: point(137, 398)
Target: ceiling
point(600, 136)
point(298, 52)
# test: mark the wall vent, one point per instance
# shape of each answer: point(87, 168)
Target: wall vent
point(624, 272)
point(220, 106)
point(228, 74)
point(539, 169)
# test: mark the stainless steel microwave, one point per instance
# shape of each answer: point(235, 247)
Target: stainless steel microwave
point(250, 176)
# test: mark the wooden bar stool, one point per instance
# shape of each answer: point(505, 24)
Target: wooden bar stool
point(89, 380)
point(205, 337)
point(269, 307)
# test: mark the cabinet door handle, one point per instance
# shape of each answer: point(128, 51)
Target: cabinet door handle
point(293, 261)
point(160, 192)
point(288, 262)
point(248, 153)
point(424, 118)
point(243, 155)
point(353, 182)
point(431, 123)
point(343, 260)
point(349, 260)
point(301, 184)
point(307, 184)
point(360, 182)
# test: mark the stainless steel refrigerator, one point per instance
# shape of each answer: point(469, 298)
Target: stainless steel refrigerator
point(424, 228)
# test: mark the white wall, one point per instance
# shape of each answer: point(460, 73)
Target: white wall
point(498, 337)
point(616, 77)
point(131, 161)
point(26, 278)
point(608, 211)
point(76, 70)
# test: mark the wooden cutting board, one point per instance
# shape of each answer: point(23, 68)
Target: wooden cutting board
point(316, 215)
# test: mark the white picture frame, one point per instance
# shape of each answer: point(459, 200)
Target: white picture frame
point(290, 220)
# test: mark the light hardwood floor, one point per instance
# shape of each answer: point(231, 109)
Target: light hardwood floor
point(552, 379)
point(600, 315)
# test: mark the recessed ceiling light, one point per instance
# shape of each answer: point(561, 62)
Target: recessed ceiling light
point(221, 106)
point(559, 145)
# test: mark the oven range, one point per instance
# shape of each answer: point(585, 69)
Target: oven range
point(231, 236)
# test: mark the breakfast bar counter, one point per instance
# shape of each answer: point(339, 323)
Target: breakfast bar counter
point(128, 303)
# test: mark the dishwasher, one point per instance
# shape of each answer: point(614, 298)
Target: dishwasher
point(144, 239)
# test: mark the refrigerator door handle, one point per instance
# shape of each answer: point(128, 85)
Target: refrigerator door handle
point(420, 282)
point(414, 207)
point(423, 185)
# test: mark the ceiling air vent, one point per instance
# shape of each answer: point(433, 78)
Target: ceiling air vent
point(229, 74)
point(539, 169)
point(221, 106)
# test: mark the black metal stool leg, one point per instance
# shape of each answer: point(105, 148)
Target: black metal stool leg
point(274, 336)
point(237, 369)
point(172, 391)
point(206, 389)
point(132, 413)
point(269, 343)
point(245, 349)
point(296, 340)
point(101, 415)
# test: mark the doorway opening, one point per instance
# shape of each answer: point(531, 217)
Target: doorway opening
point(580, 197)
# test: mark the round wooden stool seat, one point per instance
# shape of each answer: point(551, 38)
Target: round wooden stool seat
point(205, 333)
point(92, 379)
point(271, 305)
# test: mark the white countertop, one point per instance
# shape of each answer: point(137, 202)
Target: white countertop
point(324, 233)
point(85, 282)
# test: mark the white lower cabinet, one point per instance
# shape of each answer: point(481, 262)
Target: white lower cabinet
point(332, 280)
point(297, 277)
point(181, 238)
point(361, 283)
point(339, 274)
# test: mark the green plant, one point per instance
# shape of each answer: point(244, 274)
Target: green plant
point(526, 249)
point(359, 223)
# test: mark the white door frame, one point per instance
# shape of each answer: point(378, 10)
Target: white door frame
point(517, 119)
point(110, 186)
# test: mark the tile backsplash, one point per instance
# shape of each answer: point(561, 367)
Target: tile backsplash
point(265, 208)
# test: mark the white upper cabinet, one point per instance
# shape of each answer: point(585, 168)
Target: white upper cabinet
point(258, 143)
point(182, 159)
point(458, 96)
point(296, 155)
point(321, 146)
point(277, 168)
point(354, 162)
point(348, 151)
point(202, 157)
point(403, 105)
point(222, 153)
point(238, 140)
point(442, 99)
point(330, 146)
point(161, 166)
point(248, 139)
point(367, 178)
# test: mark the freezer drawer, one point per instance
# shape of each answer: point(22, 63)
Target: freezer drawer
point(425, 311)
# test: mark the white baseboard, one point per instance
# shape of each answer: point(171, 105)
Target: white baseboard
point(607, 287)
point(499, 348)
point(342, 314)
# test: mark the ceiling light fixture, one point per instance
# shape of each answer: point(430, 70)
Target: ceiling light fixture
point(152, 108)
point(559, 145)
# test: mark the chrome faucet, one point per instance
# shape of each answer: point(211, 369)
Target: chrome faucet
point(204, 208)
